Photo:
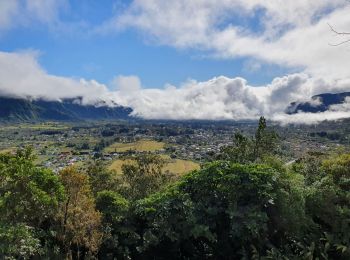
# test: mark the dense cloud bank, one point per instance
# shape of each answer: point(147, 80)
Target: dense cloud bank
point(215, 99)
point(233, 98)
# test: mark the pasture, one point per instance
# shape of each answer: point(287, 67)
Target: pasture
point(139, 146)
point(174, 166)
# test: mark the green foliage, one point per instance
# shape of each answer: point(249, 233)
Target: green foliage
point(328, 205)
point(339, 168)
point(221, 211)
point(241, 151)
point(112, 206)
point(29, 198)
point(119, 234)
point(244, 211)
point(28, 194)
point(246, 150)
point(18, 241)
point(144, 177)
point(265, 141)
point(230, 209)
point(100, 178)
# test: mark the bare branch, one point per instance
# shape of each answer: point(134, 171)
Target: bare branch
point(340, 34)
point(337, 32)
point(340, 43)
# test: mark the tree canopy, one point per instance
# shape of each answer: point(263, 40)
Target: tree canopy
point(247, 204)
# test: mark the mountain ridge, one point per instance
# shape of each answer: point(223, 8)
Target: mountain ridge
point(72, 109)
point(318, 103)
point(22, 109)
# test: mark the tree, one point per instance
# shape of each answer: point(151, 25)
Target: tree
point(79, 223)
point(327, 204)
point(240, 151)
point(112, 205)
point(18, 241)
point(144, 176)
point(224, 211)
point(258, 149)
point(29, 198)
point(119, 229)
point(265, 141)
point(100, 178)
point(334, 209)
point(28, 194)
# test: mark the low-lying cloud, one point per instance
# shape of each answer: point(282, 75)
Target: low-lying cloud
point(223, 98)
point(22, 76)
point(220, 98)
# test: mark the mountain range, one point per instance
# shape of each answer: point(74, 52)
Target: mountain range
point(21, 109)
point(318, 103)
point(18, 109)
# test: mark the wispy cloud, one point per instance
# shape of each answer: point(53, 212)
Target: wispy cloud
point(47, 13)
point(25, 12)
point(7, 11)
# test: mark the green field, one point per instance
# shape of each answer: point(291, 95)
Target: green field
point(37, 126)
point(178, 166)
point(8, 150)
point(175, 166)
point(140, 146)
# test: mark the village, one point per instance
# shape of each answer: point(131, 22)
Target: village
point(59, 145)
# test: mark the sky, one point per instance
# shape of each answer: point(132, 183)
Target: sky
point(199, 59)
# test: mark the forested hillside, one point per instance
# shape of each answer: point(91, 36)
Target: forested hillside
point(245, 204)
point(18, 109)
point(318, 103)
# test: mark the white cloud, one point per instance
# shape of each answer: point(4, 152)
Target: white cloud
point(46, 11)
point(7, 10)
point(22, 76)
point(310, 118)
point(15, 13)
point(344, 107)
point(126, 84)
point(252, 66)
point(227, 98)
point(292, 33)
point(335, 112)
point(219, 98)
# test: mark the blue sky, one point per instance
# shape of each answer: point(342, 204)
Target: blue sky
point(102, 56)
point(178, 59)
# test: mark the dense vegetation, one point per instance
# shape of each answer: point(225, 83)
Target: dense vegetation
point(18, 109)
point(246, 204)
